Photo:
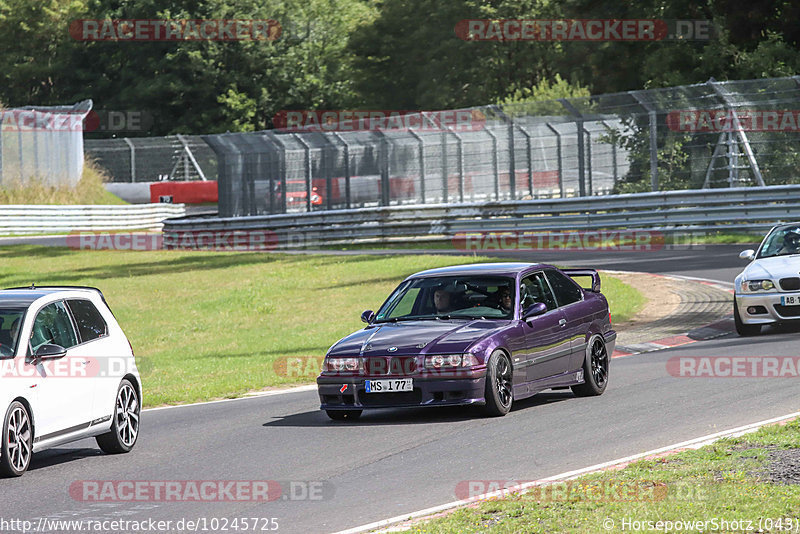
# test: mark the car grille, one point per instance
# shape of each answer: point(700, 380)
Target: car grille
point(787, 311)
point(390, 399)
point(394, 366)
point(790, 284)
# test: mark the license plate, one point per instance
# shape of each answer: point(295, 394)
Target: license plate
point(790, 300)
point(389, 385)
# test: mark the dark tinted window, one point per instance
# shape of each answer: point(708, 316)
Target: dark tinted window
point(535, 289)
point(566, 290)
point(53, 325)
point(89, 321)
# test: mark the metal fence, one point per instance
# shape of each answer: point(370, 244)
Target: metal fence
point(710, 135)
point(742, 209)
point(152, 159)
point(43, 143)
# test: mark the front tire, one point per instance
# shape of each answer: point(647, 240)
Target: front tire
point(17, 447)
point(343, 415)
point(595, 369)
point(744, 330)
point(124, 423)
point(499, 391)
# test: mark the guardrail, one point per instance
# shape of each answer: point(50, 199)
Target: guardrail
point(22, 219)
point(748, 209)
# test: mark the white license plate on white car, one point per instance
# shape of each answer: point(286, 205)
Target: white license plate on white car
point(392, 385)
point(790, 300)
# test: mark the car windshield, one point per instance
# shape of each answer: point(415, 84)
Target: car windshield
point(10, 321)
point(782, 241)
point(450, 297)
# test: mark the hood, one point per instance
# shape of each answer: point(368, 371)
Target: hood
point(773, 268)
point(417, 337)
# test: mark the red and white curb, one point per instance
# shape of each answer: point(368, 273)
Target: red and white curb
point(407, 521)
point(710, 331)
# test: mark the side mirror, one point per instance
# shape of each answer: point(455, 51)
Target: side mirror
point(748, 254)
point(367, 316)
point(49, 352)
point(534, 310)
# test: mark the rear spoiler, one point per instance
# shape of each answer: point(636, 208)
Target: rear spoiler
point(572, 273)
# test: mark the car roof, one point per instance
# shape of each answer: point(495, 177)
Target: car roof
point(25, 296)
point(504, 268)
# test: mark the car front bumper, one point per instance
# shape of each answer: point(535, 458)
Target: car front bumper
point(768, 308)
point(349, 392)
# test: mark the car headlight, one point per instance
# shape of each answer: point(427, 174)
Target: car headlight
point(757, 285)
point(444, 361)
point(341, 364)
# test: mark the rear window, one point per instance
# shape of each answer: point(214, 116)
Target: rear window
point(90, 323)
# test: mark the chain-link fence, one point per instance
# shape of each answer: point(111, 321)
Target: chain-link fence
point(715, 134)
point(151, 159)
point(43, 143)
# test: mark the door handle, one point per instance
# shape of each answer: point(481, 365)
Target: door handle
point(562, 322)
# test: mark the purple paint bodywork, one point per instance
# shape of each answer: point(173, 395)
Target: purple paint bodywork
point(544, 352)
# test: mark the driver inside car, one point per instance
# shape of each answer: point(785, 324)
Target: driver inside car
point(791, 243)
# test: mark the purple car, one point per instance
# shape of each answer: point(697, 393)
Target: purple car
point(484, 334)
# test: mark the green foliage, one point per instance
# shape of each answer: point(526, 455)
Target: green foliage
point(390, 54)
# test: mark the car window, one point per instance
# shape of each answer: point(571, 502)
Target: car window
point(10, 321)
point(90, 323)
point(534, 289)
point(565, 289)
point(53, 325)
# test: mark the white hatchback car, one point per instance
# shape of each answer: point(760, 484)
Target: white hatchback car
point(768, 290)
point(67, 372)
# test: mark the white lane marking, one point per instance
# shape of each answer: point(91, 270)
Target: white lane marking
point(695, 443)
point(254, 395)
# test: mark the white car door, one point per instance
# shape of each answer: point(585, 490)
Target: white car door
point(108, 357)
point(66, 387)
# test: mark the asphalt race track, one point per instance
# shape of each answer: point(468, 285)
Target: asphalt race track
point(392, 462)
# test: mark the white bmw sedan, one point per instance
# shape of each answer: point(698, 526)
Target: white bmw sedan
point(67, 372)
point(768, 290)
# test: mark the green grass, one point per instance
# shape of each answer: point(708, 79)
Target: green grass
point(210, 325)
point(726, 480)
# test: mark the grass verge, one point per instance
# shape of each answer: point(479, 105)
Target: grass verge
point(746, 484)
point(88, 190)
point(210, 325)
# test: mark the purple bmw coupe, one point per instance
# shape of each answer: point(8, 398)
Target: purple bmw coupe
point(484, 334)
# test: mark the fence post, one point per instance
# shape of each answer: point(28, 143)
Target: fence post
point(558, 156)
point(421, 162)
point(581, 155)
point(133, 158)
point(495, 169)
point(307, 150)
point(589, 154)
point(651, 112)
point(383, 162)
point(346, 168)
